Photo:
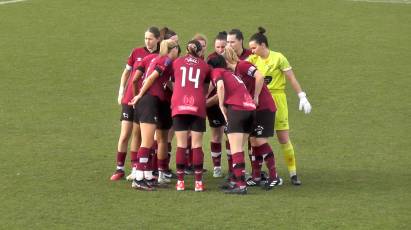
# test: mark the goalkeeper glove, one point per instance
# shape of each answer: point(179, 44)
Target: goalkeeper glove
point(304, 104)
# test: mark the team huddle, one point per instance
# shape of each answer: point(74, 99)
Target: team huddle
point(240, 91)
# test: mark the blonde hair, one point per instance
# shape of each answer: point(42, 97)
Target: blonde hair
point(166, 46)
point(200, 37)
point(230, 55)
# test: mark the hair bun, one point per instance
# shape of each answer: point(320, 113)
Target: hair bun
point(261, 30)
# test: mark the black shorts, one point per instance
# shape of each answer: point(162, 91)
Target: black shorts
point(263, 124)
point(150, 109)
point(239, 121)
point(215, 116)
point(127, 113)
point(164, 117)
point(184, 122)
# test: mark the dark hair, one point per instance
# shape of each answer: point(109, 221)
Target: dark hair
point(193, 47)
point(166, 33)
point(221, 36)
point(217, 61)
point(155, 31)
point(259, 37)
point(238, 34)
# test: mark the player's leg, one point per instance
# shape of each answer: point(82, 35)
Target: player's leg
point(134, 146)
point(216, 122)
point(198, 127)
point(162, 154)
point(236, 144)
point(282, 130)
point(125, 132)
point(198, 159)
point(289, 155)
point(263, 129)
point(169, 174)
point(181, 125)
point(144, 172)
point(181, 139)
point(215, 147)
point(149, 107)
point(238, 127)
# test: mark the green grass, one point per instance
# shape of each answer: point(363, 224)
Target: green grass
point(60, 64)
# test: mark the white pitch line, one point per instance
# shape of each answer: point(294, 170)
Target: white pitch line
point(12, 1)
point(385, 1)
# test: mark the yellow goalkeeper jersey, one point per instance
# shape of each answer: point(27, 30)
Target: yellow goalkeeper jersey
point(273, 69)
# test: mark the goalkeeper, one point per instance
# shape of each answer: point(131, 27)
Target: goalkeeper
point(276, 69)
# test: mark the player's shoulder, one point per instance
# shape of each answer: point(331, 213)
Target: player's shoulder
point(276, 55)
point(253, 58)
point(244, 63)
point(139, 50)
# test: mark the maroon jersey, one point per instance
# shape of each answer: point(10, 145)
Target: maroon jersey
point(135, 58)
point(244, 55)
point(143, 67)
point(190, 75)
point(246, 70)
point(163, 65)
point(235, 92)
point(212, 55)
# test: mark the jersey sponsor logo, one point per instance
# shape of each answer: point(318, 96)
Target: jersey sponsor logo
point(139, 59)
point(188, 104)
point(187, 108)
point(191, 60)
point(188, 100)
point(249, 105)
point(268, 79)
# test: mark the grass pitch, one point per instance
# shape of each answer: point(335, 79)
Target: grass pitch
point(60, 64)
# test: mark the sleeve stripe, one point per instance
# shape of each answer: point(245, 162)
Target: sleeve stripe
point(286, 69)
point(159, 70)
point(128, 67)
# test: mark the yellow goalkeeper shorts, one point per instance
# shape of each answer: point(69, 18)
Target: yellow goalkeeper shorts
point(281, 115)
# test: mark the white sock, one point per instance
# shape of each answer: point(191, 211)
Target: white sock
point(139, 175)
point(120, 167)
point(148, 175)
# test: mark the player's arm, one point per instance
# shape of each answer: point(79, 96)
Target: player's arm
point(148, 82)
point(304, 104)
point(259, 82)
point(220, 94)
point(123, 80)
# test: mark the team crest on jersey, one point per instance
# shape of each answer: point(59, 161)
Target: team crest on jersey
point(191, 60)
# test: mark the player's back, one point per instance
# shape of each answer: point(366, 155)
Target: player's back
point(190, 75)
